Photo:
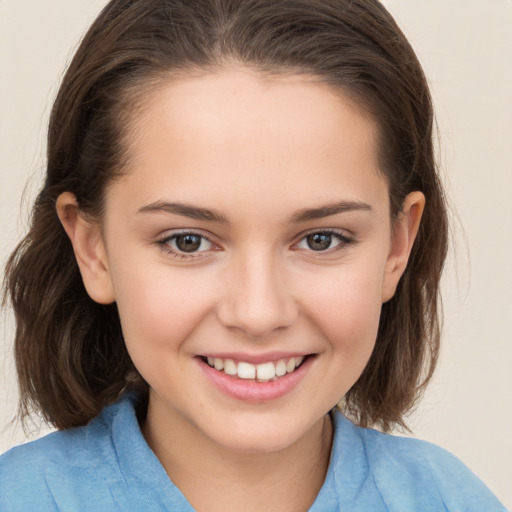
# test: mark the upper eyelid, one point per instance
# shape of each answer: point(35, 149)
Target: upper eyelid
point(346, 241)
point(164, 245)
point(332, 231)
point(170, 234)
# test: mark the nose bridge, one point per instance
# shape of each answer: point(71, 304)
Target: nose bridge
point(259, 301)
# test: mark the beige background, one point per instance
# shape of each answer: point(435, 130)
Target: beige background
point(466, 49)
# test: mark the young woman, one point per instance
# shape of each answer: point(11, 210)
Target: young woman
point(240, 238)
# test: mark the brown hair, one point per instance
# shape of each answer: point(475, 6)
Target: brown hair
point(69, 350)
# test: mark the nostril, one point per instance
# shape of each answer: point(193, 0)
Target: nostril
point(257, 322)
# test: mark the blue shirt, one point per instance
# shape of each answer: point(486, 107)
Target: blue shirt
point(108, 466)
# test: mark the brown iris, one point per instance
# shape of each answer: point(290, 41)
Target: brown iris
point(188, 242)
point(319, 241)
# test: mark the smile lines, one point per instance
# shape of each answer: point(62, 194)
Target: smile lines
point(263, 372)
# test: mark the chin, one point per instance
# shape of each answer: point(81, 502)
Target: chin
point(260, 434)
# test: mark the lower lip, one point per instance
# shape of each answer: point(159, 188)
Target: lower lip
point(252, 391)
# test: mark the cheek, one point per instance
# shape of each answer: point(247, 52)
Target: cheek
point(161, 308)
point(346, 308)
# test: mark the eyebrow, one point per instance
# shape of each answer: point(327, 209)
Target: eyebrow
point(185, 210)
point(328, 210)
point(305, 214)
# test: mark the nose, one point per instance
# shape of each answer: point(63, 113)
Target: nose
point(258, 299)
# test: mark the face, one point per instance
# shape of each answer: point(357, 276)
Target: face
point(249, 248)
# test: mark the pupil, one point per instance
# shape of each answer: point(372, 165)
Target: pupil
point(319, 241)
point(188, 243)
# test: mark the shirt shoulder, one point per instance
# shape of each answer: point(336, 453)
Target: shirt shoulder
point(57, 472)
point(106, 466)
point(424, 475)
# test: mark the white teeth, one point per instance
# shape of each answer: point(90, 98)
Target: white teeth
point(230, 367)
point(281, 368)
point(266, 371)
point(246, 371)
point(263, 372)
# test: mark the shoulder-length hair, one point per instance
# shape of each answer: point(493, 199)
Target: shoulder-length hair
point(70, 354)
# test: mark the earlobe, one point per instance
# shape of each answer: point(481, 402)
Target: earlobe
point(404, 233)
point(88, 247)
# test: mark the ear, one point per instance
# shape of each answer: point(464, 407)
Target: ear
point(89, 249)
point(404, 233)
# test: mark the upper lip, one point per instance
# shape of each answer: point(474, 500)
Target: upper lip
point(256, 358)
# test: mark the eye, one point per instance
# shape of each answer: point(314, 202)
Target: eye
point(191, 242)
point(321, 241)
point(185, 244)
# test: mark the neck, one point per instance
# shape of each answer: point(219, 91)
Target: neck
point(213, 478)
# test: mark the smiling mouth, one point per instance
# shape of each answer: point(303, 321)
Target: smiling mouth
point(264, 372)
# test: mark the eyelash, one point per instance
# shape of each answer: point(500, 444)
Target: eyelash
point(164, 243)
point(344, 240)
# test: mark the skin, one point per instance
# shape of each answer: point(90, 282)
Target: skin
point(257, 151)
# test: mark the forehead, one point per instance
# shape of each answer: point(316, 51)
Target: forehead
point(272, 136)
